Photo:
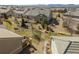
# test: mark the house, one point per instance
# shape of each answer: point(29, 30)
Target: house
point(20, 12)
point(71, 20)
point(3, 11)
point(6, 12)
point(37, 11)
point(10, 42)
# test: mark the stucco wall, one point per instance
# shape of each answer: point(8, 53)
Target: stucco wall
point(10, 45)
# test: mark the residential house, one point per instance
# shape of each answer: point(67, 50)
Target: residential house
point(71, 20)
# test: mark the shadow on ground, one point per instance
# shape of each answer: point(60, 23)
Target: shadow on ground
point(28, 50)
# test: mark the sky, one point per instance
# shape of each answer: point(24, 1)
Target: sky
point(34, 2)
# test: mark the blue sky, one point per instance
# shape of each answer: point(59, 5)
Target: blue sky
point(34, 2)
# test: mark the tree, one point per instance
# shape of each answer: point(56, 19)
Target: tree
point(5, 16)
point(1, 22)
point(78, 26)
point(23, 24)
point(65, 10)
point(42, 19)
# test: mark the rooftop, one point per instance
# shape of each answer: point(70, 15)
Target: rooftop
point(4, 10)
point(36, 11)
point(73, 14)
point(20, 11)
point(4, 33)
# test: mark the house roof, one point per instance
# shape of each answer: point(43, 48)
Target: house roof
point(4, 33)
point(20, 11)
point(75, 13)
point(4, 10)
point(36, 11)
point(72, 14)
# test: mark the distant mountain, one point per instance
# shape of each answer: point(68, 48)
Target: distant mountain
point(43, 6)
point(62, 5)
point(55, 5)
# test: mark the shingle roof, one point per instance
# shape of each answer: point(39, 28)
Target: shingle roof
point(4, 10)
point(4, 33)
point(36, 11)
point(20, 11)
point(75, 13)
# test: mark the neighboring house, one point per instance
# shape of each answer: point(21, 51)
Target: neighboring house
point(19, 13)
point(36, 11)
point(12, 12)
point(4, 11)
point(71, 20)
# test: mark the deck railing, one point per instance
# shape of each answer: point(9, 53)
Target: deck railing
point(60, 44)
